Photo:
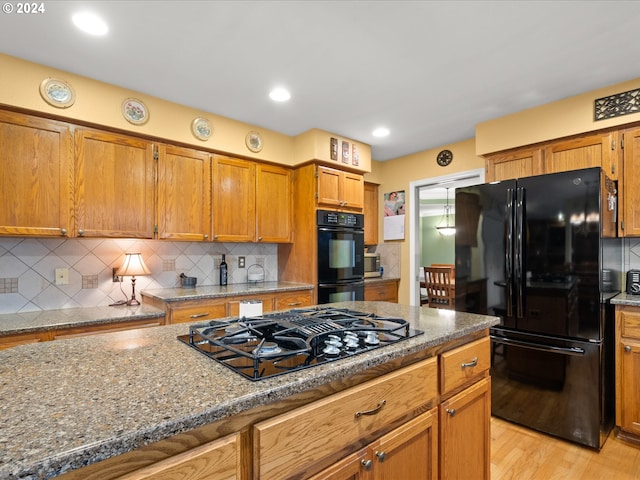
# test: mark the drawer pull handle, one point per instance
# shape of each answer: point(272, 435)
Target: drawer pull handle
point(367, 464)
point(199, 315)
point(627, 348)
point(472, 363)
point(372, 411)
point(451, 411)
point(293, 304)
point(381, 456)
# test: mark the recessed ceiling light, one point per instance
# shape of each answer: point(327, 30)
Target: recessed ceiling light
point(90, 23)
point(279, 94)
point(380, 132)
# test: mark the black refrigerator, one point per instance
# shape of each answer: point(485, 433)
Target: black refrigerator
point(540, 252)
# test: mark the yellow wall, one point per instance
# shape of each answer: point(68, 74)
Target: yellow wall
point(398, 173)
point(570, 116)
point(100, 104)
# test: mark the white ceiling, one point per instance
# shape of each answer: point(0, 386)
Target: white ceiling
point(427, 70)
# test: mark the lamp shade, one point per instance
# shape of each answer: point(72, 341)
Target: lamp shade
point(132, 266)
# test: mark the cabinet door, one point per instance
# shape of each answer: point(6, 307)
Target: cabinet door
point(353, 192)
point(273, 204)
point(370, 211)
point(234, 200)
point(585, 152)
point(630, 193)
point(356, 466)
point(114, 185)
point(629, 419)
point(520, 163)
point(465, 433)
point(184, 194)
point(410, 451)
point(35, 176)
point(329, 180)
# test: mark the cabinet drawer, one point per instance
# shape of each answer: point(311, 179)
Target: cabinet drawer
point(383, 292)
point(307, 439)
point(630, 325)
point(285, 301)
point(463, 364)
point(199, 313)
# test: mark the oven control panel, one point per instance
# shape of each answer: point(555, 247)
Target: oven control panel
point(329, 218)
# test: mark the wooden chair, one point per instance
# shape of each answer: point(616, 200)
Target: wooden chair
point(440, 287)
point(424, 297)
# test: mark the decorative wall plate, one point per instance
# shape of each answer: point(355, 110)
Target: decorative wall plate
point(253, 141)
point(134, 111)
point(57, 93)
point(444, 158)
point(201, 128)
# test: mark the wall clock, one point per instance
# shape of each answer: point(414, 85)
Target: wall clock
point(444, 158)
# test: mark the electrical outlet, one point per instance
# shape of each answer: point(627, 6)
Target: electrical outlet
point(62, 276)
point(116, 277)
point(240, 262)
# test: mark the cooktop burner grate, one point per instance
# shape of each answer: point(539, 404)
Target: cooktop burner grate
point(273, 344)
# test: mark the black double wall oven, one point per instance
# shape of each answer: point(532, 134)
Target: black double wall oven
point(340, 256)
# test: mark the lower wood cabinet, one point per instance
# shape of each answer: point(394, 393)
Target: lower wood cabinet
point(382, 291)
point(628, 372)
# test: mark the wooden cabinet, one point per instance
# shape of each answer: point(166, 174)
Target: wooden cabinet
point(36, 178)
point(381, 290)
point(340, 190)
point(295, 444)
point(629, 195)
point(522, 162)
point(598, 150)
point(114, 185)
point(219, 460)
point(288, 300)
point(184, 194)
point(370, 211)
point(250, 202)
point(628, 372)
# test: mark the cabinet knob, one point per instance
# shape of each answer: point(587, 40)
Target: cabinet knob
point(627, 348)
point(367, 464)
point(206, 236)
point(63, 231)
point(259, 239)
point(451, 411)
point(80, 232)
point(381, 456)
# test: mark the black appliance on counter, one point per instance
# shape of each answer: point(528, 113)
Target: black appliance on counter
point(277, 343)
point(537, 245)
point(340, 256)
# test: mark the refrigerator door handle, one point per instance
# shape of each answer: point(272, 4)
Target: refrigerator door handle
point(536, 346)
point(518, 265)
point(508, 255)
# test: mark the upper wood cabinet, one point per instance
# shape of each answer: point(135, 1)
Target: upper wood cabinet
point(370, 214)
point(184, 194)
point(340, 190)
point(274, 215)
point(251, 202)
point(523, 162)
point(598, 150)
point(36, 177)
point(114, 185)
point(629, 193)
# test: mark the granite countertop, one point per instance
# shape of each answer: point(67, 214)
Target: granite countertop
point(379, 279)
point(74, 402)
point(216, 291)
point(626, 299)
point(16, 323)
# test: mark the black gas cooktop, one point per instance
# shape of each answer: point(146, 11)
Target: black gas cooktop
point(278, 343)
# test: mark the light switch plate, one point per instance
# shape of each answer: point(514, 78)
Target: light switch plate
point(62, 276)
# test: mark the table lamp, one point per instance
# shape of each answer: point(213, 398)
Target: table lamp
point(131, 266)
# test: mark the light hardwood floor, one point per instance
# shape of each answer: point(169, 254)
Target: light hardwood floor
point(521, 454)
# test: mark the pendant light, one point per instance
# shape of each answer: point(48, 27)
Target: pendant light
point(446, 229)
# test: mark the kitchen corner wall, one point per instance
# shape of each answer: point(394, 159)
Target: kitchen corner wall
point(631, 253)
point(27, 269)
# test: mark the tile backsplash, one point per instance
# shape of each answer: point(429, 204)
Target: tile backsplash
point(28, 265)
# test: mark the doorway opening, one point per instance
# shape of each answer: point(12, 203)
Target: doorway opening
point(426, 244)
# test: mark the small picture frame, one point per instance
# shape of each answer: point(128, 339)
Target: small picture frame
point(201, 128)
point(57, 93)
point(333, 152)
point(345, 152)
point(135, 111)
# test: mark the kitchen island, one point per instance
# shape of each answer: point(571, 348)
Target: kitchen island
point(70, 404)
